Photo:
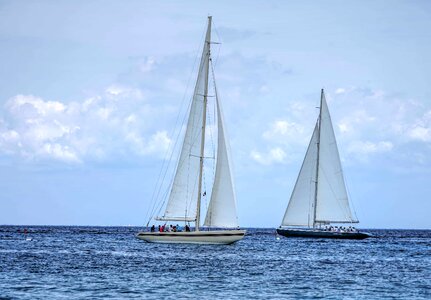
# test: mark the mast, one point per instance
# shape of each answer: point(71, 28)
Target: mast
point(317, 163)
point(198, 208)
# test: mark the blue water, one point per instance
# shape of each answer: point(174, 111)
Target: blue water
point(109, 263)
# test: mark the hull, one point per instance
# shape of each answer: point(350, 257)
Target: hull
point(195, 237)
point(312, 233)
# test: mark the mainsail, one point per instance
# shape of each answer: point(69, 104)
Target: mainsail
point(320, 195)
point(182, 204)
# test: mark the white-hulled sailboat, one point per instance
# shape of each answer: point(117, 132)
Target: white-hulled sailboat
point(319, 197)
point(184, 201)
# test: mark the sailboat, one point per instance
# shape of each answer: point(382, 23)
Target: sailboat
point(319, 197)
point(184, 201)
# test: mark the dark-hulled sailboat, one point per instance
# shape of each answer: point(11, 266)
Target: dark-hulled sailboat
point(319, 197)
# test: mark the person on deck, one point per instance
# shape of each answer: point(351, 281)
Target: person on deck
point(153, 228)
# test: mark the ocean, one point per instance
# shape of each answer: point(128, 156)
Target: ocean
point(74, 262)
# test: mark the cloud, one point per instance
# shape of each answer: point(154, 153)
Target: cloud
point(232, 34)
point(60, 152)
point(421, 130)
point(368, 124)
point(340, 91)
point(283, 136)
point(274, 155)
point(420, 133)
point(282, 130)
point(118, 124)
point(367, 147)
point(147, 64)
point(157, 143)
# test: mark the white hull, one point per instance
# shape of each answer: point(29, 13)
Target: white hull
point(194, 237)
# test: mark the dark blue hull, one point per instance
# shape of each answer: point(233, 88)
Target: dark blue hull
point(315, 233)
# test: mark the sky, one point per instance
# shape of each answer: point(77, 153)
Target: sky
point(90, 92)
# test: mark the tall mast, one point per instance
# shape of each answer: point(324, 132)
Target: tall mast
point(318, 155)
point(204, 117)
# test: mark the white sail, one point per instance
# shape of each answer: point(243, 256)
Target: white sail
point(300, 210)
point(320, 195)
point(182, 204)
point(222, 208)
point(332, 199)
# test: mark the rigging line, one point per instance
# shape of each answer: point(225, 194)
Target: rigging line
point(173, 131)
point(218, 51)
point(165, 167)
point(187, 188)
point(211, 124)
point(179, 132)
point(166, 170)
point(194, 139)
point(159, 208)
point(205, 188)
point(348, 195)
point(181, 162)
point(214, 111)
point(191, 201)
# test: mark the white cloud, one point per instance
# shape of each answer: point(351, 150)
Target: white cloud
point(368, 124)
point(118, 92)
point(34, 105)
point(282, 129)
point(147, 64)
point(60, 152)
point(367, 147)
point(274, 155)
point(117, 124)
point(374, 122)
point(157, 144)
point(281, 137)
point(420, 133)
point(340, 91)
point(421, 130)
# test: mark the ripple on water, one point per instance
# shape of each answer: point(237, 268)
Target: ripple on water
point(109, 263)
